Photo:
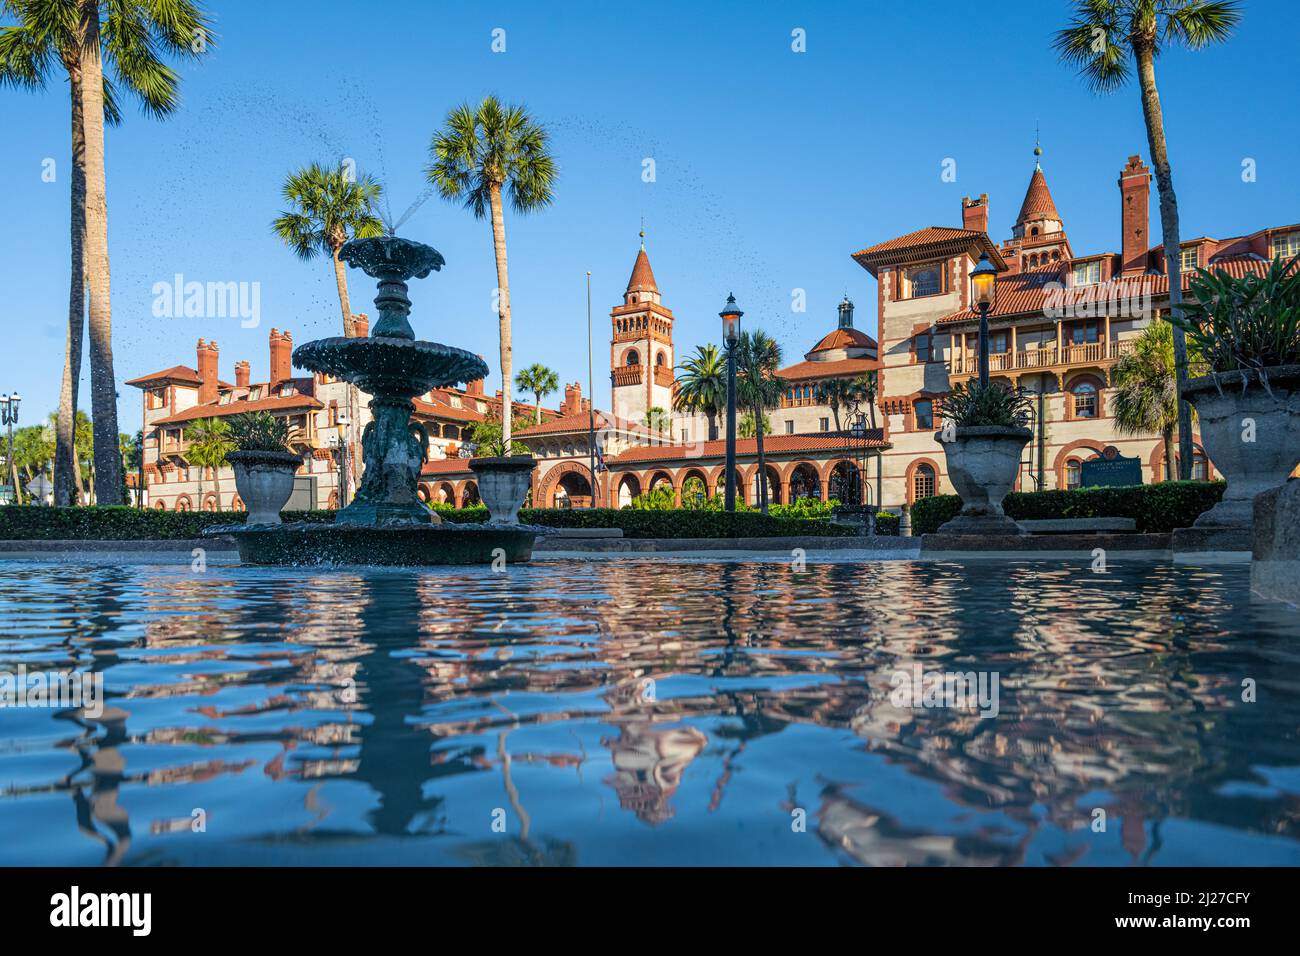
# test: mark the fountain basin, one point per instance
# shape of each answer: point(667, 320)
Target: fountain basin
point(407, 544)
point(390, 366)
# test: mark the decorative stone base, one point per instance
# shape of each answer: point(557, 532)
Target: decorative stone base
point(371, 514)
point(1275, 568)
point(981, 524)
point(1209, 539)
point(303, 543)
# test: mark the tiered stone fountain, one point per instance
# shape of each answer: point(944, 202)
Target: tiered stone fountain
point(387, 523)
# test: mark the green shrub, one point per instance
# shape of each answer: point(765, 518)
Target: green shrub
point(805, 508)
point(887, 524)
point(1158, 508)
point(259, 431)
point(27, 523)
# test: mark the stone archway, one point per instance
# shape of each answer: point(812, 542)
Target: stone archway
point(804, 482)
point(551, 483)
point(628, 487)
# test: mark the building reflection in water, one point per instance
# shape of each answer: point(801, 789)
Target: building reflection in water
point(1118, 693)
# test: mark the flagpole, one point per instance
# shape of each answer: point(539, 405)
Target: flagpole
point(591, 404)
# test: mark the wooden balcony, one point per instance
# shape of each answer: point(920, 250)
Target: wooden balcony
point(963, 365)
point(627, 375)
point(664, 376)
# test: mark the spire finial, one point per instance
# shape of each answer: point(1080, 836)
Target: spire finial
point(1038, 149)
point(643, 232)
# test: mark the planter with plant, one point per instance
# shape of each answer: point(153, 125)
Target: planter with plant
point(263, 464)
point(982, 440)
point(1246, 330)
point(504, 472)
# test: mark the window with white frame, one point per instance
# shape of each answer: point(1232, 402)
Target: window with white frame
point(1285, 245)
point(1087, 273)
point(1189, 259)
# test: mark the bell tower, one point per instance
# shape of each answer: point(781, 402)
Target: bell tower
point(641, 346)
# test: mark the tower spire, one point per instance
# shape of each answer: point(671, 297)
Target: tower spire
point(643, 233)
point(1038, 149)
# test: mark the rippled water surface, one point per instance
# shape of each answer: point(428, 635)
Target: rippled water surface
point(647, 711)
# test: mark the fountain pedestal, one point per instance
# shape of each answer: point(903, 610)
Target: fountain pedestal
point(386, 523)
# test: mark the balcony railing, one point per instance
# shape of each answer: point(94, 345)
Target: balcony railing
point(627, 375)
point(663, 376)
point(967, 363)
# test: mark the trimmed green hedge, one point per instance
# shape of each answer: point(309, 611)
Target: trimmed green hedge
point(887, 524)
point(121, 524)
point(1160, 507)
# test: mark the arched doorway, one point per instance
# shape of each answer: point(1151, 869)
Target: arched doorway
point(804, 482)
point(629, 486)
point(845, 483)
point(573, 491)
point(470, 495)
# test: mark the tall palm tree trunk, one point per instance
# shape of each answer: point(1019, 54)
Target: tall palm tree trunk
point(1145, 55)
point(67, 476)
point(711, 415)
point(503, 285)
point(1168, 434)
point(103, 388)
point(762, 461)
point(538, 396)
point(349, 331)
point(216, 484)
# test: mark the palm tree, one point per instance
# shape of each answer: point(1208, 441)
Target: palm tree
point(1146, 389)
point(327, 207)
point(1099, 40)
point(209, 442)
point(655, 419)
point(539, 380)
point(759, 387)
point(479, 151)
point(68, 34)
point(867, 386)
point(702, 386)
point(837, 393)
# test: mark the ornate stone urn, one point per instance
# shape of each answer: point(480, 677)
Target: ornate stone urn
point(983, 461)
point(265, 482)
point(1250, 428)
point(503, 484)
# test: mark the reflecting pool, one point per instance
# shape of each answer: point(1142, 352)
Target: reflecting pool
point(651, 711)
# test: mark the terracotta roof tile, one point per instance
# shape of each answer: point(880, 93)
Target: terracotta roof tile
point(930, 242)
point(581, 422)
point(177, 373)
point(852, 366)
point(643, 279)
point(1038, 201)
point(844, 339)
point(444, 467)
point(216, 410)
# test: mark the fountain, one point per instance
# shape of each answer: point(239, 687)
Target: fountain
point(386, 523)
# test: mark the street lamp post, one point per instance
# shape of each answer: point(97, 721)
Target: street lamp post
point(9, 410)
point(341, 442)
point(982, 279)
point(730, 316)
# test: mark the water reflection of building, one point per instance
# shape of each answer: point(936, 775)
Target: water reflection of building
point(648, 765)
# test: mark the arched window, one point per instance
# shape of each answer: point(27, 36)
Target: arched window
point(923, 481)
point(632, 358)
point(1085, 400)
point(660, 360)
point(1073, 473)
point(926, 281)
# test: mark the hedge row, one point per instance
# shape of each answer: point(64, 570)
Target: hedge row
point(27, 523)
point(1160, 507)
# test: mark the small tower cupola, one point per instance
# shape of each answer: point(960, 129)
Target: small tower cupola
point(846, 312)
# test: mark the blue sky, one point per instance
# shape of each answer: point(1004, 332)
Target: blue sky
point(771, 166)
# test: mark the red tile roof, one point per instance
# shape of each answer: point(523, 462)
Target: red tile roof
point(928, 243)
point(1038, 201)
point(772, 445)
point(852, 366)
point(1026, 292)
point(443, 410)
point(844, 339)
point(444, 467)
point(581, 422)
point(177, 373)
point(642, 280)
point(276, 403)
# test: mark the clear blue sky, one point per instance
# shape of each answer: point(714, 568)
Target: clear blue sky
point(772, 167)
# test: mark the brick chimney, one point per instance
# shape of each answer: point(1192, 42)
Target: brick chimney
point(572, 399)
point(1134, 190)
point(361, 324)
point(207, 366)
point(241, 373)
point(975, 213)
point(474, 388)
point(281, 363)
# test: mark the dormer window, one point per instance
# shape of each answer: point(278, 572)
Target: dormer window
point(1189, 260)
point(1087, 273)
point(255, 393)
point(454, 401)
point(1285, 246)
